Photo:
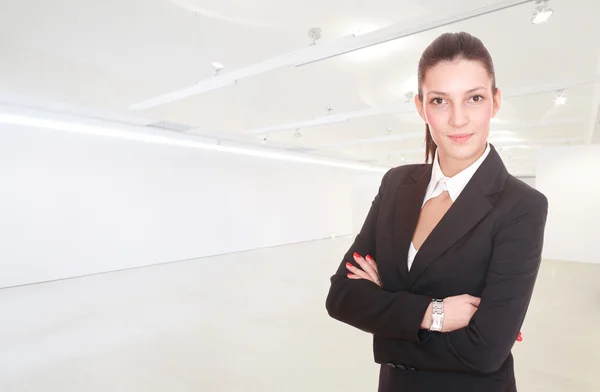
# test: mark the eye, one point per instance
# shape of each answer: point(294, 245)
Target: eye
point(477, 98)
point(437, 101)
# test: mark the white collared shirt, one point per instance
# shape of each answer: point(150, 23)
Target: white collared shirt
point(440, 183)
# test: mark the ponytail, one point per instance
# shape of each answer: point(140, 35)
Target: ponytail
point(430, 146)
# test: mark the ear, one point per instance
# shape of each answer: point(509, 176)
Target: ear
point(497, 102)
point(419, 106)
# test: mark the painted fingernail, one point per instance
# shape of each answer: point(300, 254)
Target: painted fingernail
point(369, 257)
point(520, 337)
point(349, 275)
point(348, 265)
point(356, 255)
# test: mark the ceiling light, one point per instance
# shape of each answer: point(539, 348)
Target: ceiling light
point(560, 98)
point(217, 67)
point(542, 12)
point(314, 33)
point(314, 53)
point(162, 137)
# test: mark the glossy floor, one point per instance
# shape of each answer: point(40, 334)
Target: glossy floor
point(253, 321)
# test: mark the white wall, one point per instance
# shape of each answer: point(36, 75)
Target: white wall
point(568, 176)
point(74, 204)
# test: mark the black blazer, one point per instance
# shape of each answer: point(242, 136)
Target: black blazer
point(488, 244)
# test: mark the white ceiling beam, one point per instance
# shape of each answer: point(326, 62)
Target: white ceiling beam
point(396, 31)
point(324, 51)
point(404, 108)
point(334, 118)
point(540, 143)
point(67, 123)
point(495, 128)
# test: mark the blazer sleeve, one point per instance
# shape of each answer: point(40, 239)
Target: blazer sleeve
point(484, 345)
point(363, 304)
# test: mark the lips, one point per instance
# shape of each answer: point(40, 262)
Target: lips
point(462, 138)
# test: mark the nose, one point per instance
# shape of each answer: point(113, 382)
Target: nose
point(459, 117)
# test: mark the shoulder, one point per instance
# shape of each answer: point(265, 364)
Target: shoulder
point(400, 173)
point(521, 204)
point(524, 194)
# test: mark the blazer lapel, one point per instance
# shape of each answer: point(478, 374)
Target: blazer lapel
point(474, 203)
point(408, 201)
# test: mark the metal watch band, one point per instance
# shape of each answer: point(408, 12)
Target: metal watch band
point(437, 315)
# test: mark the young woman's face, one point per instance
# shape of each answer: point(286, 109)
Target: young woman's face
point(458, 105)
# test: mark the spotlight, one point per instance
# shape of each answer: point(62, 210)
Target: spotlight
point(315, 33)
point(560, 98)
point(542, 12)
point(217, 67)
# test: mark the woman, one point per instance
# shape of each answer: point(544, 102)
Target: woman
point(445, 264)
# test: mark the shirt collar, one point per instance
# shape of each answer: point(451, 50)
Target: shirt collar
point(454, 185)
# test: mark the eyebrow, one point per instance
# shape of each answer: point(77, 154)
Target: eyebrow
point(468, 92)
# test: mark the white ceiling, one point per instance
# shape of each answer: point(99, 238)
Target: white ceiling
point(102, 57)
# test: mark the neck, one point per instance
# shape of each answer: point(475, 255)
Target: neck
point(451, 166)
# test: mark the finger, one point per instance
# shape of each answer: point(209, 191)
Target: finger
point(372, 264)
point(352, 276)
point(358, 272)
point(520, 337)
point(475, 301)
point(366, 267)
point(361, 274)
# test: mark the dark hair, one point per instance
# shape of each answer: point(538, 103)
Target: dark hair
point(450, 47)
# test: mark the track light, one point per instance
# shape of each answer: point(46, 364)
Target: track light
point(315, 33)
point(560, 98)
point(217, 67)
point(542, 12)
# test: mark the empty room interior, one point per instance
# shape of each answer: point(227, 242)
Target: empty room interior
point(265, 196)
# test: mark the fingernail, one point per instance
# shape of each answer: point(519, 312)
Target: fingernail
point(356, 255)
point(520, 337)
point(369, 257)
point(348, 265)
point(349, 275)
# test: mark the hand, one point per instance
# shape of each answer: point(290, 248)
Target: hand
point(368, 271)
point(458, 311)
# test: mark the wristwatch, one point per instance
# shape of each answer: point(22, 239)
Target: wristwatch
point(437, 315)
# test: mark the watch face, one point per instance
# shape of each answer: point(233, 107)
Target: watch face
point(436, 324)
